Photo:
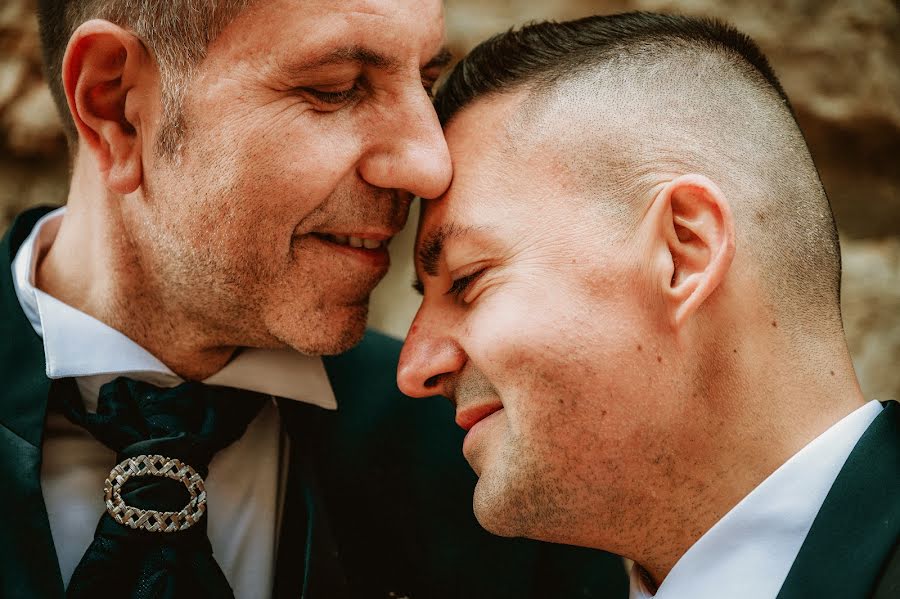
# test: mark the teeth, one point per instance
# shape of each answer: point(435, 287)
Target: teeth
point(356, 242)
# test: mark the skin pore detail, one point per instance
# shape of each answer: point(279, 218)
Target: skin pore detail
point(581, 359)
point(269, 226)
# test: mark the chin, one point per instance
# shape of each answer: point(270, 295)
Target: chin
point(495, 513)
point(515, 502)
point(331, 335)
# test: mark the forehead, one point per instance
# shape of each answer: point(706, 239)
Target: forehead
point(496, 176)
point(278, 31)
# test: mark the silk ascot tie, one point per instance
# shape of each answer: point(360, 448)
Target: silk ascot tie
point(152, 540)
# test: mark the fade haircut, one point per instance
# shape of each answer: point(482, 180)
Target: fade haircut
point(177, 34)
point(617, 100)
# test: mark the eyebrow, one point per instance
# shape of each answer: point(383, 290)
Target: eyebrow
point(432, 247)
point(430, 251)
point(357, 54)
point(369, 58)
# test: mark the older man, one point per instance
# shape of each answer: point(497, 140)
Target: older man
point(631, 296)
point(238, 169)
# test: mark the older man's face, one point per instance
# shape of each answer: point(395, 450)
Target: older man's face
point(308, 127)
point(535, 323)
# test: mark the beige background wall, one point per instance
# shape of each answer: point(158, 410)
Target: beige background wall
point(838, 61)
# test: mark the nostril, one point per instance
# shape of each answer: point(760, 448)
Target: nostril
point(432, 381)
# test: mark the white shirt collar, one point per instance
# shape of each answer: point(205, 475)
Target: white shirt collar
point(749, 552)
point(78, 345)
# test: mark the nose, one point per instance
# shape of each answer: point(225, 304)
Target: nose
point(429, 361)
point(407, 151)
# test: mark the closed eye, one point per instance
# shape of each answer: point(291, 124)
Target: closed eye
point(460, 285)
point(333, 96)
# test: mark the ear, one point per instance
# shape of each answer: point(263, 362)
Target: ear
point(696, 228)
point(106, 73)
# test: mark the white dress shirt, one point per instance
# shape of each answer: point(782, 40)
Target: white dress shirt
point(749, 552)
point(246, 479)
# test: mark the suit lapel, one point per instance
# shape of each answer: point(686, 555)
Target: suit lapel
point(858, 525)
point(308, 564)
point(889, 584)
point(28, 562)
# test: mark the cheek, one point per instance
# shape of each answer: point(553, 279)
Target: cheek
point(276, 152)
point(561, 361)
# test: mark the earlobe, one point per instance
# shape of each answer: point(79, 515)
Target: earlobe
point(103, 70)
point(698, 228)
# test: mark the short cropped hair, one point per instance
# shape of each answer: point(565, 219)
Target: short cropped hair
point(175, 32)
point(713, 105)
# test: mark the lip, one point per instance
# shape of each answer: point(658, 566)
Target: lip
point(480, 418)
point(377, 235)
point(469, 417)
point(377, 257)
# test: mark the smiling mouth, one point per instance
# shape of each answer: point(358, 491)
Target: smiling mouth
point(469, 417)
point(351, 241)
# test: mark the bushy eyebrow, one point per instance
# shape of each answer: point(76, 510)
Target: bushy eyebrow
point(432, 246)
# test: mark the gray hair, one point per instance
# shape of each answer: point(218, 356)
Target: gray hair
point(177, 34)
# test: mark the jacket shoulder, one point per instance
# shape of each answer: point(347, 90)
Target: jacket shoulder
point(367, 373)
point(21, 226)
point(376, 350)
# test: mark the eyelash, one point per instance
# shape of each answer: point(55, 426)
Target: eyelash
point(460, 285)
point(334, 97)
point(348, 95)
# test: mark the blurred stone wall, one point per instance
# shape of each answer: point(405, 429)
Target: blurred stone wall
point(838, 61)
point(33, 164)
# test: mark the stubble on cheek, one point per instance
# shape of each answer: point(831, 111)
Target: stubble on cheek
point(318, 313)
point(562, 467)
point(526, 487)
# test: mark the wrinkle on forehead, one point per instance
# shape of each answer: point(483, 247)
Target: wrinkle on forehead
point(382, 9)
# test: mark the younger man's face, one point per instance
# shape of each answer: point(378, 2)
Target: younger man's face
point(535, 324)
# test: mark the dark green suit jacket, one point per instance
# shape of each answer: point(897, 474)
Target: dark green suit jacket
point(851, 551)
point(379, 500)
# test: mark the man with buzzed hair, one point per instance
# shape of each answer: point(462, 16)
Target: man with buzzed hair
point(168, 427)
point(632, 299)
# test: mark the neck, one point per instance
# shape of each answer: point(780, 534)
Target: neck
point(755, 416)
point(94, 265)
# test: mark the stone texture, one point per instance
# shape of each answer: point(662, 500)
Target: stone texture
point(28, 118)
point(838, 61)
point(871, 308)
point(32, 125)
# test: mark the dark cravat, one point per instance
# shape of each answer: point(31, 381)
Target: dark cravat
point(309, 561)
point(152, 541)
